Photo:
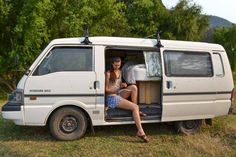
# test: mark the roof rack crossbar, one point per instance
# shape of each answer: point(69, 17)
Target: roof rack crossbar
point(86, 38)
point(159, 45)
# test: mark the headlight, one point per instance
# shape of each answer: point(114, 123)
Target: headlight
point(16, 96)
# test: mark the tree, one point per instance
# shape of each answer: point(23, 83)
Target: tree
point(9, 10)
point(227, 38)
point(145, 17)
point(103, 17)
point(186, 21)
point(183, 22)
point(27, 26)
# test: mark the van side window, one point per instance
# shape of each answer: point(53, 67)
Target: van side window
point(188, 64)
point(66, 59)
point(218, 65)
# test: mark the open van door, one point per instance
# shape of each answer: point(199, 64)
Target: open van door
point(188, 85)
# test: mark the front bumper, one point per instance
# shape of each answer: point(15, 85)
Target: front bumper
point(11, 107)
point(14, 112)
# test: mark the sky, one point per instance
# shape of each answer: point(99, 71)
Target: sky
point(222, 8)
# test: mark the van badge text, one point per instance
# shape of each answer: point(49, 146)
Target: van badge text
point(40, 90)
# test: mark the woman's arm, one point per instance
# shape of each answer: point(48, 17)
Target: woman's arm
point(107, 89)
point(122, 84)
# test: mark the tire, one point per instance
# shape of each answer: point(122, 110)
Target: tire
point(188, 127)
point(68, 123)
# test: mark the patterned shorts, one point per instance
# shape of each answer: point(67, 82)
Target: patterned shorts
point(113, 101)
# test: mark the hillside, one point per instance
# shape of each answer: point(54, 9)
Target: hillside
point(215, 21)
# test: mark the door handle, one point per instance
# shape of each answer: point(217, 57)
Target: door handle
point(96, 84)
point(169, 84)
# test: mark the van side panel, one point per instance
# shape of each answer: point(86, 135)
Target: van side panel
point(186, 98)
point(191, 99)
point(98, 115)
point(43, 93)
point(224, 84)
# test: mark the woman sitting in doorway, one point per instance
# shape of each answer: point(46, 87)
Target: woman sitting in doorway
point(116, 96)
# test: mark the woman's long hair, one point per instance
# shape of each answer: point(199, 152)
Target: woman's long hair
point(113, 76)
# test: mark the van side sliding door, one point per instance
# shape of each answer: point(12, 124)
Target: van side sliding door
point(188, 85)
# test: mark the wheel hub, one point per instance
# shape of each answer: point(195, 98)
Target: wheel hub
point(69, 124)
point(189, 124)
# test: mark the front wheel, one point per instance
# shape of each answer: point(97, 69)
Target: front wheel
point(188, 127)
point(68, 123)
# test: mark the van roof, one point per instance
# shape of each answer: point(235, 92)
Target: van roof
point(138, 42)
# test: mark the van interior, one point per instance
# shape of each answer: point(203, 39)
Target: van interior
point(141, 67)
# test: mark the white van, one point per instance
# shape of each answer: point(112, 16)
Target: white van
point(181, 82)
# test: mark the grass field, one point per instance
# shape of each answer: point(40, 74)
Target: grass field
point(216, 140)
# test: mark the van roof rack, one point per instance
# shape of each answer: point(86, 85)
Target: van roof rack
point(86, 38)
point(159, 45)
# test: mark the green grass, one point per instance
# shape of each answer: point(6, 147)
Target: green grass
point(216, 140)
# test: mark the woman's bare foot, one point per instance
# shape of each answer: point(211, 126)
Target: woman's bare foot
point(143, 137)
point(142, 114)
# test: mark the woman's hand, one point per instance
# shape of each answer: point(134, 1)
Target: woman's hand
point(123, 85)
point(114, 91)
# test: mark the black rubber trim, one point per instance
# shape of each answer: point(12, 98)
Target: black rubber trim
point(197, 93)
point(230, 110)
point(11, 107)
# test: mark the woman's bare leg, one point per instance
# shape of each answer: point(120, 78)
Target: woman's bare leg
point(133, 93)
point(125, 104)
point(125, 94)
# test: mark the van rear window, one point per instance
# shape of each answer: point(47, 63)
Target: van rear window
point(218, 65)
point(188, 64)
